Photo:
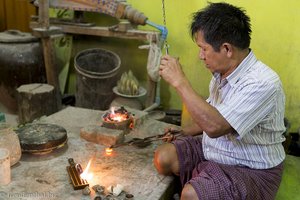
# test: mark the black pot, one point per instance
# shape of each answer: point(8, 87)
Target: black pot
point(21, 62)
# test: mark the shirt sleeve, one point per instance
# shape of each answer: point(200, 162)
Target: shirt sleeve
point(248, 105)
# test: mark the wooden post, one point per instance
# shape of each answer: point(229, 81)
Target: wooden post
point(48, 49)
point(36, 100)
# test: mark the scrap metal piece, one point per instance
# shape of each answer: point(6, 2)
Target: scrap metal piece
point(129, 196)
point(86, 190)
point(99, 189)
point(77, 182)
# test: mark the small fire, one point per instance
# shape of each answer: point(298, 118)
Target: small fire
point(108, 151)
point(112, 110)
point(116, 116)
point(85, 174)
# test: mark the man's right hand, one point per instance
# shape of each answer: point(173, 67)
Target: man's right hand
point(171, 134)
point(170, 70)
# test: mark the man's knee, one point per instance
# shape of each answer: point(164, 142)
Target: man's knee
point(166, 160)
point(188, 193)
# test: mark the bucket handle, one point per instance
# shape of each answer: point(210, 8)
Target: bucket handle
point(96, 77)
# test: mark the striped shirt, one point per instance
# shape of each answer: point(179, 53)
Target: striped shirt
point(252, 100)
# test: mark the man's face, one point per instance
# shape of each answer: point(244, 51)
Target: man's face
point(214, 61)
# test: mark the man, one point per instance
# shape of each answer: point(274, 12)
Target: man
point(240, 153)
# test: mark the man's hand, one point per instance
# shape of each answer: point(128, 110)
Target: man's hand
point(171, 134)
point(170, 70)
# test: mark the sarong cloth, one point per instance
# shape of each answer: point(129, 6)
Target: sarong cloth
point(218, 181)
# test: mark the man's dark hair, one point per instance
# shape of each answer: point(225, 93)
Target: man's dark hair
point(222, 22)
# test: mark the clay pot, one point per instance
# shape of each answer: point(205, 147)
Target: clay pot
point(122, 125)
point(132, 101)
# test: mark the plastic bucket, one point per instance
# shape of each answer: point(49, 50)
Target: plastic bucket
point(96, 75)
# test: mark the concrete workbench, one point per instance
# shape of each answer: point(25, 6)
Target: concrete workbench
point(46, 177)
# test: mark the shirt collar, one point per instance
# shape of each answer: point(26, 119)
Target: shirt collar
point(239, 71)
point(244, 66)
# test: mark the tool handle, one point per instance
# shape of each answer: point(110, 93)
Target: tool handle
point(71, 162)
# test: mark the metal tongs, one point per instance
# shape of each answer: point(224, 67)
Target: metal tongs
point(143, 142)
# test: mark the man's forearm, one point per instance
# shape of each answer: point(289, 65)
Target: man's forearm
point(192, 129)
point(204, 115)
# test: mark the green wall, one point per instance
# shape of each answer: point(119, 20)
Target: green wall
point(275, 41)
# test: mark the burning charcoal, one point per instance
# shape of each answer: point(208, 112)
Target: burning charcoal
point(99, 189)
point(97, 198)
point(86, 190)
point(116, 115)
point(129, 196)
point(106, 115)
point(123, 110)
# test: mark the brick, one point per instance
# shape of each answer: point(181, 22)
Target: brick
point(102, 135)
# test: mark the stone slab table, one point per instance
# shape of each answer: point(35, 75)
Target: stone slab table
point(45, 176)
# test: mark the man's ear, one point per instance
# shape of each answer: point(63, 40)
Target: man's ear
point(228, 49)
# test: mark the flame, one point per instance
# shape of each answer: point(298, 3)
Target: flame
point(112, 110)
point(108, 151)
point(118, 117)
point(85, 174)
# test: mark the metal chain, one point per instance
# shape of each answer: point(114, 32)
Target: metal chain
point(166, 46)
point(164, 12)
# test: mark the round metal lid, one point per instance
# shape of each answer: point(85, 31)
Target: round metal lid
point(16, 36)
point(41, 138)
